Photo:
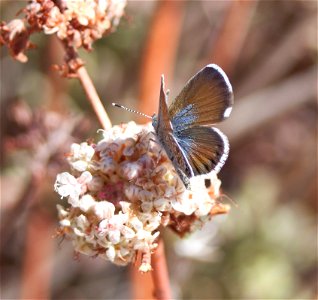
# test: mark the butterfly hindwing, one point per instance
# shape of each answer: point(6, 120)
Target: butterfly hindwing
point(177, 156)
point(205, 148)
point(206, 99)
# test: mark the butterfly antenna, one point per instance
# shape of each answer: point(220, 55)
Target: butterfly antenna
point(131, 110)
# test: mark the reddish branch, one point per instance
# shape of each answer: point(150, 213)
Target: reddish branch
point(227, 47)
point(160, 52)
point(93, 98)
point(75, 67)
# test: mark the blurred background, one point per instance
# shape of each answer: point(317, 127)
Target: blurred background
point(266, 247)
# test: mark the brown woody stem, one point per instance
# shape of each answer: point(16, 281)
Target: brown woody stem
point(75, 64)
point(93, 98)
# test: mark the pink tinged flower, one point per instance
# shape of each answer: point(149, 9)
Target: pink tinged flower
point(107, 165)
point(53, 21)
point(130, 170)
point(96, 184)
point(104, 210)
point(147, 206)
point(128, 233)
point(125, 252)
point(112, 192)
point(83, 11)
point(85, 178)
point(132, 192)
point(112, 227)
point(153, 221)
point(162, 204)
point(62, 212)
point(114, 236)
point(16, 36)
point(136, 223)
point(68, 186)
point(125, 206)
point(145, 239)
point(81, 155)
point(145, 195)
point(81, 225)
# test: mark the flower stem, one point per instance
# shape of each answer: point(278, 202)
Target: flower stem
point(93, 98)
point(75, 65)
point(160, 273)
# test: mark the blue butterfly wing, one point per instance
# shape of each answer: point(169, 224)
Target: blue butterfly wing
point(193, 148)
point(206, 99)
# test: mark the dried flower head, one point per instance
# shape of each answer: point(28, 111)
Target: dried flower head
point(122, 189)
point(77, 23)
point(16, 36)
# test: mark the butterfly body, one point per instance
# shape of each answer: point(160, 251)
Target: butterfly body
point(184, 129)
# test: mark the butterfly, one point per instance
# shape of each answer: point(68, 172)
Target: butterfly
point(184, 128)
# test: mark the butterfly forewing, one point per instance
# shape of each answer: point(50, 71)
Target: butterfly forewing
point(206, 99)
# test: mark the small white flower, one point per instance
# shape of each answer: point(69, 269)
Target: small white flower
point(62, 212)
point(127, 232)
point(102, 5)
point(204, 204)
point(114, 236)
point(162, 204)
point(145, 239)
point(136, 223)
point(147, 206)
point(65, 223)
point(130, 170)
point(111, 253)
point(104, 210)
point(184, 205)
point(67, 185)
point(81, 155)
point(86, 202)
point(81, 224)
point(125, 206)
point(85, 178)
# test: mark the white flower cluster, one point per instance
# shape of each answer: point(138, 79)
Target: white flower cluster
point(122, 189)
point(81, 22)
